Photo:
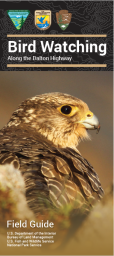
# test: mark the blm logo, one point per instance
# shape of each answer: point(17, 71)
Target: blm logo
point(63, 18)
point(18, 17)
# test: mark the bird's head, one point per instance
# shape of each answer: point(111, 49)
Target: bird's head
point(61, 118)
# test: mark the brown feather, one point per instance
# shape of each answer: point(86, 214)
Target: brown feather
point(39, 141)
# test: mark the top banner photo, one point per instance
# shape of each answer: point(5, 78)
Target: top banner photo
point(56, 35)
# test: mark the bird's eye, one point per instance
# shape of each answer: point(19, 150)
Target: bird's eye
point(66, 110)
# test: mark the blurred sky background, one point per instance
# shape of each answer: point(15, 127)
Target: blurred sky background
point(93, 87)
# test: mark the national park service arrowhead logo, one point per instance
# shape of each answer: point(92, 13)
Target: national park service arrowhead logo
point(63, 18)
point(18, 17)
point(42, 19)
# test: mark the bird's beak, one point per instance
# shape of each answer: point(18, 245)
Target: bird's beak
point(91, 122)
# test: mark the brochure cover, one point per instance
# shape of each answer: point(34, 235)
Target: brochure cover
point(56, 112)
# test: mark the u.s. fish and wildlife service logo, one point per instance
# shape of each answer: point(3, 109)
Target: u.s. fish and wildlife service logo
point(42, 19)
point(18, 17)
point(63, 18)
